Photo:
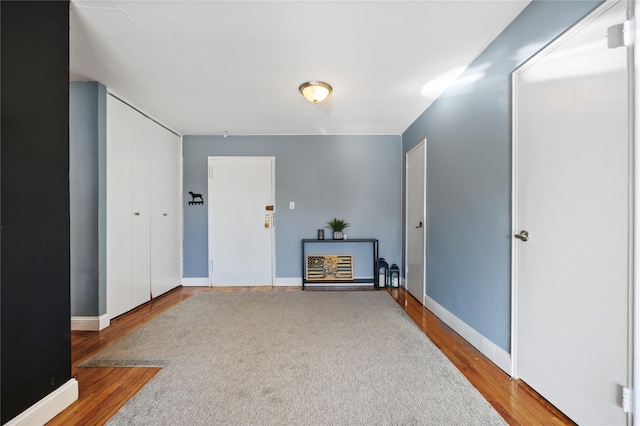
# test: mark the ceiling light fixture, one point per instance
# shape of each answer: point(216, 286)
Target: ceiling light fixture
point(315, 91)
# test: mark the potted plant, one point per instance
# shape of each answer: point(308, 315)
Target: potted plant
point(337, 226)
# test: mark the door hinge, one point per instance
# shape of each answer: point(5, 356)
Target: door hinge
point(627, 399)
point(210, 265)
point(210, 171)
point(619, 35)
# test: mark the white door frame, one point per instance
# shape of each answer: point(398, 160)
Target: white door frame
point(424, 218)
point(634, 197)
point(273, 215)
point(634, 66)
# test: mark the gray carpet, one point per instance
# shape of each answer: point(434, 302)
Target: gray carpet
point(292, 358)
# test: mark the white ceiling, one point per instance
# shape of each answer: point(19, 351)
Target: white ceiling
point(206, 67)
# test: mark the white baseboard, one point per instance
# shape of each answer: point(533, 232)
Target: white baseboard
point(195, 282)
point(90, 323)
point(339, 285)
point(279, 282)
point(48, 407)
point(496, 354)
point(288, 282)
point(297, 282)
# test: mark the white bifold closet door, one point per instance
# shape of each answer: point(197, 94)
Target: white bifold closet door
point(165, 198)
point(143, 196)
point(141, 142)
point(118, 208)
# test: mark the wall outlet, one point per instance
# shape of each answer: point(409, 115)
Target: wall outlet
point(292, 205)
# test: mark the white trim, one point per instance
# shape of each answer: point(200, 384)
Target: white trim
point(496, 354)
point(228, 135)
point(90, 323)
point(48, 407)
point(635, 197)
point(181, 206)
point(195, 282)
point(288, 282)
point(340, 284)
point(514, 217)
point(279, 282)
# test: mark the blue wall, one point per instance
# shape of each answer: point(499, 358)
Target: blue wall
point(357, 178)
point(87, 133)
point(469, 173)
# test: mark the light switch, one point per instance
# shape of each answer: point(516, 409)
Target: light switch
point(292, 205)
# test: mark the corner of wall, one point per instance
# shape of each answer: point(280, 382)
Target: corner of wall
point(102, 199)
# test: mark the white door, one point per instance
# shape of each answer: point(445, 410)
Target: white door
point(416, 166)
point(571, 195)
point(140, 205)
point(165, 199)
point(118, 208)
point(241, 216)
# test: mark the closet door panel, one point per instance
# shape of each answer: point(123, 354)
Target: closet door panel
point(140, 213)
point(165, 261)
point(118, 208)
point(174, 185)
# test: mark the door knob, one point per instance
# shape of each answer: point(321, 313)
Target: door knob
point(522, 235)
point(419, 225)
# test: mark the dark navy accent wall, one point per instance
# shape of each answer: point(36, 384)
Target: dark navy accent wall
point(468, 131)
point(352, 177)
point(34, 142)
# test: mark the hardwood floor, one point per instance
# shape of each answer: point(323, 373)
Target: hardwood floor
point(516, 402)
point(104, 390)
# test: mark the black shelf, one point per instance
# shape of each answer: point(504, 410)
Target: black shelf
point(372, 280)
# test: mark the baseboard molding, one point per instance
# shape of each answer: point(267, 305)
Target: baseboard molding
point(297, 282)
point(337, 285)
point(90, 323)
point(48, 407)
point(204, 282)
point(195, 282)
point(288, 282)
point(279, 282)
point(496, 354)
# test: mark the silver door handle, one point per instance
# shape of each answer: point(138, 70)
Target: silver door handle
point(522, 235)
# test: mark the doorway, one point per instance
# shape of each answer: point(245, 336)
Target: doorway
point(241, 221)
point(415, 233)
point(572, 220)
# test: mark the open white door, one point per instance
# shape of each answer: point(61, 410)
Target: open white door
point(241, 219)
point(572, 222)
point(416, 172)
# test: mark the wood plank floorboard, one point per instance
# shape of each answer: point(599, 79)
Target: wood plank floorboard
point(104, 390)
